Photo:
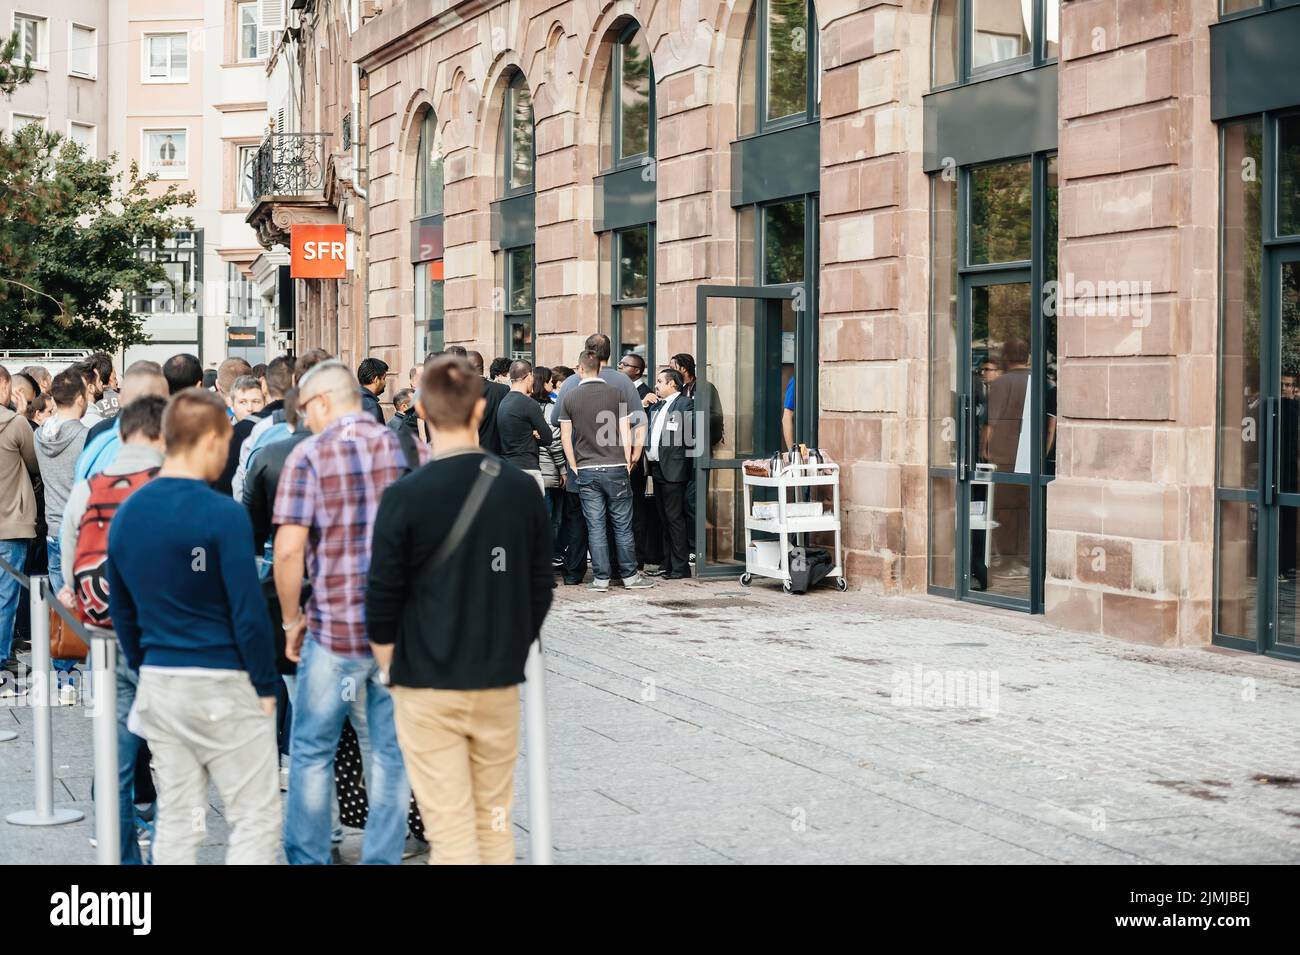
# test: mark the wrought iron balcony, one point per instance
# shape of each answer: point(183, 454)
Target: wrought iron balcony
point(290, 164)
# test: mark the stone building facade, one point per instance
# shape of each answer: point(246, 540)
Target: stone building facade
point(987, 239)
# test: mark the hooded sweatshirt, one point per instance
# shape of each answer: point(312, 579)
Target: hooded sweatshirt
point(58, 443)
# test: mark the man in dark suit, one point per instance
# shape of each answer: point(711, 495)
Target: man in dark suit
point(489, 439)
point(668, 453)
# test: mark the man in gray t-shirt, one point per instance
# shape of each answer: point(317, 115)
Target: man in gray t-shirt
point(597, 433)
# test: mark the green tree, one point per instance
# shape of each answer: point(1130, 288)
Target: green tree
point(13, 75)
point(70, 233)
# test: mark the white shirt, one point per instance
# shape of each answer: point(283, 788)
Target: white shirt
point(657, 429)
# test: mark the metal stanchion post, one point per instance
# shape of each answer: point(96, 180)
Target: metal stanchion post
point(539, 790)
point(38, 701)
point(103, 656)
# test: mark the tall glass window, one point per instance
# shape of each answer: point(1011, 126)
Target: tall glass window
point(977, 38)
point(993, 371)
point(779, 67)
point(427, 238)
point(515, 143)
point(627, 110)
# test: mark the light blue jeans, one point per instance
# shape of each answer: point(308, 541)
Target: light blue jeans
point(327, 685)
point(56, 584)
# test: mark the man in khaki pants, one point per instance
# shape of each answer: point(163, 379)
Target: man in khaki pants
point(189, 613)
point(454, 543)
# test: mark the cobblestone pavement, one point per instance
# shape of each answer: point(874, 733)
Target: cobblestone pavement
point(705, 722)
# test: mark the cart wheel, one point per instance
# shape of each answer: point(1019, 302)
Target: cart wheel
point(841, 584)
point(787, 586)
point(746, 579)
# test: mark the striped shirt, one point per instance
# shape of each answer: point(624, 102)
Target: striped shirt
point(331, 484)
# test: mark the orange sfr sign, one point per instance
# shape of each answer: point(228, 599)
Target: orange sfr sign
point(318, 251)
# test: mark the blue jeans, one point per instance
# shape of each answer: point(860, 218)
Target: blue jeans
point(326, 686)
point(56, 584)
point(128, 751)
point(608, 491)
point(14, 553)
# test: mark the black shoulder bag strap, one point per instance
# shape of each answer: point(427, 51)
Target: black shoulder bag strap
point(488, 470)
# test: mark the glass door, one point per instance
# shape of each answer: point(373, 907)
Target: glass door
point(997, 440)
point(751, 345)
point(1280, 514)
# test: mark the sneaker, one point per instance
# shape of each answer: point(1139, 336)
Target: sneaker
point(143, 833)
point(13, 666)
point(638, 583)
point(557, 562)
point(68, 694)
point(601, 585)
point(284, 779)
point(691, 558)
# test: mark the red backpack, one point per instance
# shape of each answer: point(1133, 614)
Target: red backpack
point(107, 492)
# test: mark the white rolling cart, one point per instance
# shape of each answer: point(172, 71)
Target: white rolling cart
point(785, 526)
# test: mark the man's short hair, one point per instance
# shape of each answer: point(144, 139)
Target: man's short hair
point(449, 390)
point(5, 377)
point(598, 343)
point(25, 381)
point(143, 416)
point(279, 376)
point(103, 365)
point(589, 361)
point(520, 369)
point(144, 364)
point(39, 374)
point(634, 357)
point(229, 370)
point(414, 373)
point(560, 372)
point(182, 371)
point(259, 370)
point(307, 361)
point(85, 369)
point(459, 350)
point(143, 377)
point(402, 400)
point(210, 378)
point(68, 385)
point(675, 376)
point(687, 362)
point(191, 416)
point(499, 367)
point(371, 370)
point(475, 360)
point(245, 383)
point(334, 378)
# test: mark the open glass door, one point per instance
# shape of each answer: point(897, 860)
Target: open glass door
point(751, 345)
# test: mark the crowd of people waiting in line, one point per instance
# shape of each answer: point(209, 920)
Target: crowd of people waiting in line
point(291, 578)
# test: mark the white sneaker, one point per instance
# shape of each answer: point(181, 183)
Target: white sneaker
point(68, 695)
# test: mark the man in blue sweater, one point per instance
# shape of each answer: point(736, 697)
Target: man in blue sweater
point(190, 616)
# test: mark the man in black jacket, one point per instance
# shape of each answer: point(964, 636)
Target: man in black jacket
point(489, 437)
point(434, 625)
point(372, 373)
point(669, 454)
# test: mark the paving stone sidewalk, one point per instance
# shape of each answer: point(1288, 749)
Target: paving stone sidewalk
point(706, 722)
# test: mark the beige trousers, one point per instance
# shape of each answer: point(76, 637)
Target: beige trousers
point(460, 747)
point(210, 728)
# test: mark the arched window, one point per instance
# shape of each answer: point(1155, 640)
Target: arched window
point(780, 73)
point(514, 217)
point(628, 111)
point(427, 238)
point(515, 139)
point(627, 147)
point(978, 38)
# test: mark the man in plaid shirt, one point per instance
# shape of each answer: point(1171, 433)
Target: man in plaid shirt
point(325, 509)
